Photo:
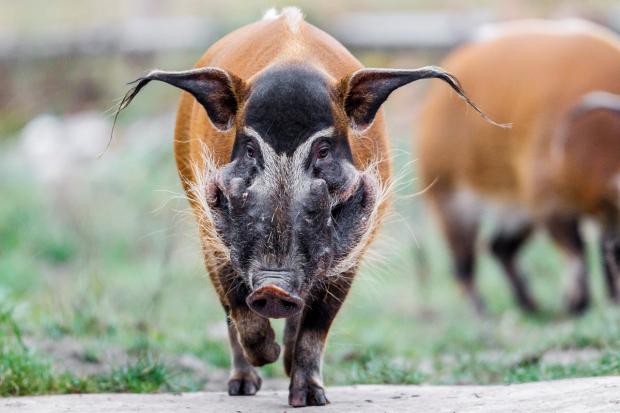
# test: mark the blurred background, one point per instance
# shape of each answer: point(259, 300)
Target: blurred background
point(102, 286)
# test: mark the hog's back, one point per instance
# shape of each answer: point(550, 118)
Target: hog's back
point(529, 74)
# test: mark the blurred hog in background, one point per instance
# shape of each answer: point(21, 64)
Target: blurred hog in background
point(583, 173)
point(559, 163)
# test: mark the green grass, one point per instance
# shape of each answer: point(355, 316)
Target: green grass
point(24, 372)
point(109, 261)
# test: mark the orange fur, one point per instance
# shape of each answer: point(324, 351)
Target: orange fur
point(532, 78)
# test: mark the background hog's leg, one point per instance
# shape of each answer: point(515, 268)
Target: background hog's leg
point(565, 232)
point(505, 246)
point(244, 379)
point(610, 254)
point(459, 222)
point(306, 388)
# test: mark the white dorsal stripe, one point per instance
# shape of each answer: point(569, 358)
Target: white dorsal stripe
point(271, 14)
point(292, 15)
point(561, 27)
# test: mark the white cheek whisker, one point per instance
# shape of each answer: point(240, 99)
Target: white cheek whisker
point(213, 245)
point(383, 193)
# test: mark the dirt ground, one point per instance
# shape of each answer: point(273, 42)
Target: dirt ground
point(601, 394)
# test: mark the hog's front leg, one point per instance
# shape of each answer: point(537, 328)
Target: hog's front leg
point(306, 388)
point(244, 378)
point(257, 338)
point(252, 340)
point(252, 343)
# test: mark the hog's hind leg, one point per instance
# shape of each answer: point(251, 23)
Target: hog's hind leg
point(459, 218)
point(565, 233)
point(505, 246)
point(610, 252)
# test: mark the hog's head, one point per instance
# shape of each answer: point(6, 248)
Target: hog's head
point(291, 206)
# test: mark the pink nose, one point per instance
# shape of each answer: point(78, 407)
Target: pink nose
point(270, 301)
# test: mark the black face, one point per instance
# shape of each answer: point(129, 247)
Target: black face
point(290, 205)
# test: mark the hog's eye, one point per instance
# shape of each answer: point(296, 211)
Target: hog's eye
point(250, 152)
point(323, 151)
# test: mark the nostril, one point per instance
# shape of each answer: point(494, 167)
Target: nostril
point(260, 303)
point(288, 305)
point(271, 301)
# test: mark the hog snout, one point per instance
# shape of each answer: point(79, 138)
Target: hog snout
point(271, 297)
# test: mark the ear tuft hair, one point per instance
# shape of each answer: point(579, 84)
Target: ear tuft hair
point(367, 89)
point(215, 89)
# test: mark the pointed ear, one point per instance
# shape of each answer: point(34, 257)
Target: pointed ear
point(215, 89)
point(367, 89)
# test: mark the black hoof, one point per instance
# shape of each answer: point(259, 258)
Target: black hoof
point(578, 306)
point(308, 395)
point(244, 384)
point(528, 306)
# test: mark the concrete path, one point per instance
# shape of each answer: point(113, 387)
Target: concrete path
point(577, 395)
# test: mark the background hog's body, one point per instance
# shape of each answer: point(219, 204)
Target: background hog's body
point(531, 74)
